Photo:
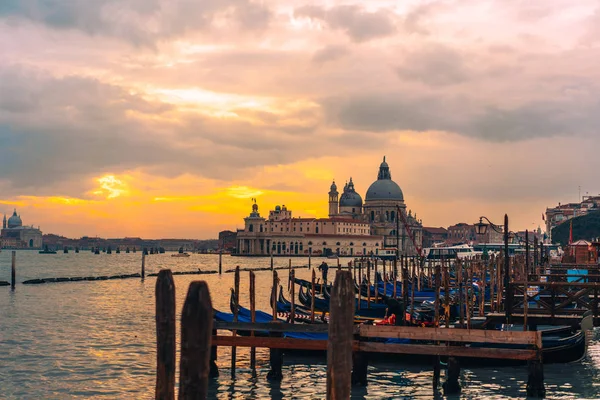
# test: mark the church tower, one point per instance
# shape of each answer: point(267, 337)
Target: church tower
point(333, 200)
point(4, 222)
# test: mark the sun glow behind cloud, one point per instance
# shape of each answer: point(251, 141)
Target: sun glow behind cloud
point(111, 187)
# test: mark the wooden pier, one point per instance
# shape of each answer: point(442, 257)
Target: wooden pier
point(348, 346)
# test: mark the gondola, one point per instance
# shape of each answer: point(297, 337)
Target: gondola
point(367, 310)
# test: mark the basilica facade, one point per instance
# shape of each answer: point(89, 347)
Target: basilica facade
point(15, 235)
point(353, 228)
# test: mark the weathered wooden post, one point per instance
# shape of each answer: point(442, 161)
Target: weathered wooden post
point(274, 295)
point(535, 375)
point(236, 293)
point(165, 336)
point(290, 264)
point(312, 300)
point(13, 270)
point(395, 278)
point(451, 386)
point(275, 358)
point(143, 265)
point(309, 256)
point(376, 283)
point(196, 338)
point(292, 297)
point(252, 317)
point(271, 261)
point(339, 343)
point(220, 262)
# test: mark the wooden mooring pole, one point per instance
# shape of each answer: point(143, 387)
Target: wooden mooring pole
point(196, 337)
point(165, 336)
point(312, 300)
point(235, 316)
point(339, 343)
point(220, 262)
point(13, 270)
point(252, 317)
point(143, 265)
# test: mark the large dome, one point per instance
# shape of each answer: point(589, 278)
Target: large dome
point(15, 221)
point(384, 188)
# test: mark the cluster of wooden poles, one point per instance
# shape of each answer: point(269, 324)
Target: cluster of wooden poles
point(346, 345)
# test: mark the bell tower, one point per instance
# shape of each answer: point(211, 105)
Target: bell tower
point(333, 200)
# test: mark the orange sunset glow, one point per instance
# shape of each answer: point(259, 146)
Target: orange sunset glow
point(167, 120)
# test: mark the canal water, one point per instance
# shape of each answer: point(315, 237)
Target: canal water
point(97, 339)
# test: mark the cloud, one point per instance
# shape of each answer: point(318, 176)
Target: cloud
point(360, 25)
point(141, 22)
point(435, 65)
point(73, 128)
point(329, 53)
point(399, 112)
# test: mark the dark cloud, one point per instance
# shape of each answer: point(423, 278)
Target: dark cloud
point(142, 22)
point(360, 25)
point(435, 65)
point(399, 111)
point(329, 53)
point(74, 128)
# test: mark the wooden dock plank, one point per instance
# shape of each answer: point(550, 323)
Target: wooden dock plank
point(453, 335)
point(270, 342)
point(450, 351)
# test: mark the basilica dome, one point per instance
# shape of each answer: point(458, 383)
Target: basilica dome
point(350, 198)
point(15, 221)
point(384, 188)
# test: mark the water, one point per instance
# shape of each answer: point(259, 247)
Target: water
point(97, 339)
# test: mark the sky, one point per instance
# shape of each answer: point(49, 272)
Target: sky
point(163, 118)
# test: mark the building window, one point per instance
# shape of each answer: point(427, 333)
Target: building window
point(372, 215)
point(251, 228)
point(393, 216)
point(317, 230)
point(261, 227)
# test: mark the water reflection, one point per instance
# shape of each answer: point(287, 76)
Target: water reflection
point(97, 339)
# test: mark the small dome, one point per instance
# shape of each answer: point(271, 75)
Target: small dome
point(15, 221)
point(333, 187)
point(350, 198)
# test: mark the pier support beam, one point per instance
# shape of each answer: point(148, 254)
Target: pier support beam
point(213, 369)
point(275, 359)
point(451, 386)
point(339, 343)
point(165, 336)
point(360, 365)
point(535, 379)
point(196, 330)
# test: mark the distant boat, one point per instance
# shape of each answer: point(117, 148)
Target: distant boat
point(47, 251)
point(385, 254)
point(180, 254)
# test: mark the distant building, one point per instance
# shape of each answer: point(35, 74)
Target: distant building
point(352, 229)
point(227, 240)
point(461, 233)
point(15, 235)
point(563, 212)
point(433, 236)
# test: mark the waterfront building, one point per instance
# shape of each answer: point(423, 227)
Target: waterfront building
point(227, 240)
point(432, 236)
point(563, 212)
point(15, 235)
point(353, 228)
